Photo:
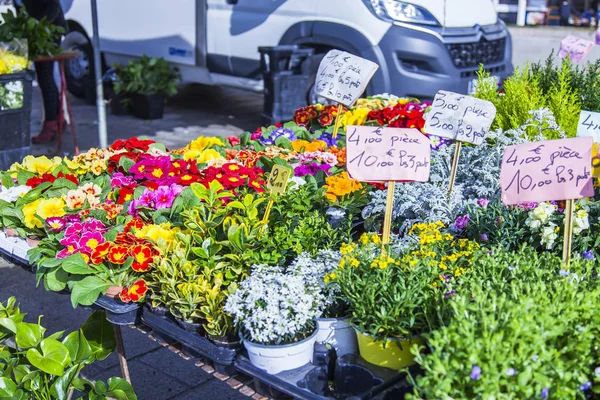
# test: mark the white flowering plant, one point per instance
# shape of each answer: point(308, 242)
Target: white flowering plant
point(314, 270)
point(11, 95)
point(541, 225)
point(272, 307)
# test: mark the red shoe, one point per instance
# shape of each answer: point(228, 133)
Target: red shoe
point(49, 131)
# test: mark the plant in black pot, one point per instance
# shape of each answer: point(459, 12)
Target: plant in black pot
point(144, 84)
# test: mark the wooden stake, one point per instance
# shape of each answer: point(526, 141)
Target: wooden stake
point(121, 354)
point(338, 120)
point(389, 208)
point(568, 238)
point(454, 167)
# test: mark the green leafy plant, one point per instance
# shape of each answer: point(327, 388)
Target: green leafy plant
point(42, 36)
point(522, 326)
point(147, 76)
point(35, 366)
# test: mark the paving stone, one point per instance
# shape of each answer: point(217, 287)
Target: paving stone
point(207, 368)
point(247, 391)
point(220, 377)
point(234, 383)
point(173, 365)
point(211, 390)
point(257, 396)
point(148, 383)
point(135, 343)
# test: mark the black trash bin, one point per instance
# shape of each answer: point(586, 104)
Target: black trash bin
point(286, 80)
point(15, 123)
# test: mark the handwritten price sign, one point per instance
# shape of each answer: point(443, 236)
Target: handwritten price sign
point(589, 125)
point(377, 154)
point(278, 180)
point(459, 117)
point(343, 77)
point(548, 170)
point(575, 47)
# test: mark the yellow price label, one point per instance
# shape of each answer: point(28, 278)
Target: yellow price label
point(278, 180)
point(595, 160)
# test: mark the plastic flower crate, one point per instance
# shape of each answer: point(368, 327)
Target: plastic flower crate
point(117, 312)
point(15, 117)
point(193, 344)
point(352, 377)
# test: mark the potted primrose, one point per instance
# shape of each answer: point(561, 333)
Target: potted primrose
point(144, 84)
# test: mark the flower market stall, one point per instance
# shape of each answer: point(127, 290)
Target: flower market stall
point(264, 254)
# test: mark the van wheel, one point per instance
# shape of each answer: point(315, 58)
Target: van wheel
point(79, 71)
point(311, 96)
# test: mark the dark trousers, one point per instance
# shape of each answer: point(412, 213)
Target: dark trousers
point(50, 94)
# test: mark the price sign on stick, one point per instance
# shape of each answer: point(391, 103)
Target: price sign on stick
point(278, 180)
point(276, 184)
point(459, 117)
point(575, 47)
point(589, 125)
point(387, 154)
point(377, 154)
point(548, 170)
point(343, 77)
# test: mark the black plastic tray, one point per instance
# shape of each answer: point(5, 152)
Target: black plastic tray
point(353, 378)
point(193, 345)
point(11, 258)
point(117, 312)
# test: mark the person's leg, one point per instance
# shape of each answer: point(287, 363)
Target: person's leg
point(50, 94)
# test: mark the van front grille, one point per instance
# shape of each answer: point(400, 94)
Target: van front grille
point(469, 55)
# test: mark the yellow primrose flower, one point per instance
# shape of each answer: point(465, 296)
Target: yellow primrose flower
point(38, 165)
point(357, 116)
point(29, 218)
point(54, 207)
point(98, 167)
point(157, 232)
point(208, 155)
point(204, 142)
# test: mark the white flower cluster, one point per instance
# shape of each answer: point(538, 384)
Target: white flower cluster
point(11, 95)
point(14, 193)
point(313, 270)
point(477, 177)
point(538, 220)
point(271, 306)
point(276, 303)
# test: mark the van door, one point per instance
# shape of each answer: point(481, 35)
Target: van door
point(152, 27)
point(237, 28)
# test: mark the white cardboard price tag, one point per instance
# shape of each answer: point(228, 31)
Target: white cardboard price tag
point(589, 125)
point(459, 117)
point(343, 77)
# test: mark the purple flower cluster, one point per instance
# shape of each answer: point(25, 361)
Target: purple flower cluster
point(438, 142)
point(276, 134)
point(328, 138)
point(461, 222)
point(162, 197)
point(483, 202)
point(120, 180)
point(311, 169)
point(588, 255)
point(475, 373)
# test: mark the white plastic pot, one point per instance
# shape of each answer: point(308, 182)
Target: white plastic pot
point(275, 359)
point(339, 334)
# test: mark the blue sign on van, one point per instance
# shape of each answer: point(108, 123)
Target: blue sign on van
point(178, 52)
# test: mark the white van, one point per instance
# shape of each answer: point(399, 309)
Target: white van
point(421, 46)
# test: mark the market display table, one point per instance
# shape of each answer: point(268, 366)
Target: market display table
point(63, 96)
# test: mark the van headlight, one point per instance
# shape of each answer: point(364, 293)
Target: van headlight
point(394, 10)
